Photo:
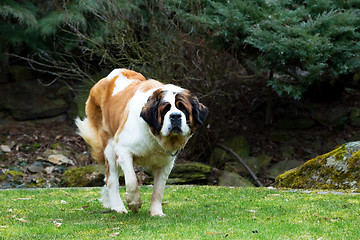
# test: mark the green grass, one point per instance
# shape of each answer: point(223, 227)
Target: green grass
point(192, 213)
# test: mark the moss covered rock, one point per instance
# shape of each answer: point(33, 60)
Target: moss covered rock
point(185, 173)
point(13, 176)
point(89, 176)
point(339, 169)
point(189, 173)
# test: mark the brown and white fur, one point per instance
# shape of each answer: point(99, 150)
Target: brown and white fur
point(133, 121)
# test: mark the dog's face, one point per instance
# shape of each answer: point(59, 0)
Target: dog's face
point(173, 114)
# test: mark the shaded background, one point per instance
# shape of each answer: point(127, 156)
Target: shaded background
point(280, 78)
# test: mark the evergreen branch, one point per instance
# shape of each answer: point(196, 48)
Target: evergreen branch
point(23, 14)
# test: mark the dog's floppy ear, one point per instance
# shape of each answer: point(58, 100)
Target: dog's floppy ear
point(199, 111)
point(150, 111)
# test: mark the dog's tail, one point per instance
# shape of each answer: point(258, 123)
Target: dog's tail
point(93, 137)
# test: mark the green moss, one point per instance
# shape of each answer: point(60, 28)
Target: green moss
point(13, 175)
point(184, 173)
point(336, 169)
point(88, 176)
point(57, 146)
point(37, 183)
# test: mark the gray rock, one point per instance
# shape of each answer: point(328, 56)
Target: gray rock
point(254, 163)
point(297, 123)
point(49, 169)
point(282, 167)
point(233, 179)
point(238, 144)
point(77, 107)
point(20, 73)
point(27, 99)
point(279, 137)
point(59, 159)
point(35, 168)
point(335, 116)
point(49, 152)
point(287, 151)
point(5, 148)
point(355, 117)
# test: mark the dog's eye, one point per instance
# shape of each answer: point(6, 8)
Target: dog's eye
point(166, 108)
point(182, 108)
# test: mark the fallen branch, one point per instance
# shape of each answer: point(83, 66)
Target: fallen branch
point(242, 162)
point(105, 211)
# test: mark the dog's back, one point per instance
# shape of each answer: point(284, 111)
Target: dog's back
point(93, 128)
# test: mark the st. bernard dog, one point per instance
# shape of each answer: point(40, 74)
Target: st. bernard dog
point(133, 121)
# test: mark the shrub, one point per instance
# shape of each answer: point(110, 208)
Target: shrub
point(300, 42)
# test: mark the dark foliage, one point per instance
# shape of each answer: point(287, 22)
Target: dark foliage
point(212, 48)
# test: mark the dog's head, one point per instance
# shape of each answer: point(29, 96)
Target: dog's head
point(173, 114)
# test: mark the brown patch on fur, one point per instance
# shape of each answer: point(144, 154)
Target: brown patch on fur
point(150, 84)
point(94, 113)
point(115, 111)
point(183, 102)
point(151, 112)
point(130, 74)
point(197, 112)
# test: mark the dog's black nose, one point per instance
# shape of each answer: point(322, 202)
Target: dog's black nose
point(175, 119)
point(175, 116)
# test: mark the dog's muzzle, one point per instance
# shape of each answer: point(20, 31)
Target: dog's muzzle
point(175, 120)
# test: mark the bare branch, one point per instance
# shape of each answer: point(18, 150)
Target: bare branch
point(242, 162)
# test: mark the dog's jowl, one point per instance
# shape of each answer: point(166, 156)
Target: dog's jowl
point(133, 121)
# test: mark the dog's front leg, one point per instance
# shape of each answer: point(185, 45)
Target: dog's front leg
point(133, 197)
point(161, 174)
point(110, 194)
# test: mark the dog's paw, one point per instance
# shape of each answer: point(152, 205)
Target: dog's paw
point(133, 201)
point(105, 202)
point(134, 206)
point(157, 213)
point(119, 209)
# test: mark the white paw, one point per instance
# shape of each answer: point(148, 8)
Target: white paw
point(105, 204)
point(120, 209)
point(157, 213)
point(156, 210)
point(105, 200)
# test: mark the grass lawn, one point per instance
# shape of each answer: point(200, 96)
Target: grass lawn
point(193, 212)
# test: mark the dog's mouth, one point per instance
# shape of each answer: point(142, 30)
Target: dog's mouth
point(176, 130)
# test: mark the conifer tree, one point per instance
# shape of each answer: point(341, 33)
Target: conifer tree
point(300, 42)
